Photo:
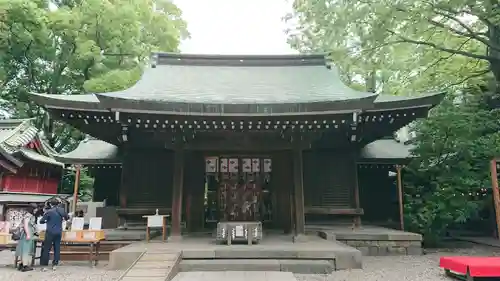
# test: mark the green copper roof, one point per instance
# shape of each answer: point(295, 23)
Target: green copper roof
point(246, 85)
point(239, 85)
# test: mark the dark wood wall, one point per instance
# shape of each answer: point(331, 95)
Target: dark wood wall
point(378, 194)
point(282, 189)
point(194, 190)
point(107, 185)
point(148, 177)
point(329, 178)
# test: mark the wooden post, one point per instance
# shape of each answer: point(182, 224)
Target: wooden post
point(76, 187)
point(298, 176)
point(496, 196)
point(357, 203)
point(178, 183)
point(400, 198)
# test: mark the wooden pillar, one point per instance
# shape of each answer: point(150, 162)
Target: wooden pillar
point(496, 195)
point(194, 191)
point(357, 203)
point(400, 198)
point(76, 187)
point(178, 183)
point(298, 183)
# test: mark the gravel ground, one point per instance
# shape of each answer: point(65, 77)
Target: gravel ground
point(402, 268)
point(396, 268)
point(68, 271)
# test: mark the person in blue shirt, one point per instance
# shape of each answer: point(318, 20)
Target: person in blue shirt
point(53, 218)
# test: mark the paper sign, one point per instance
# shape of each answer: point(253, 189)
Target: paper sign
point(41, 227)
point(238, 231)
point(89, 235)
point(71, 235)
point(95, 224)
point(155, 221)
point(77, 223)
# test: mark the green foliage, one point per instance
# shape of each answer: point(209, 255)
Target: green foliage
point(407, 46)
point(404, 47)
point(92, 45)
point(446, 183)
point(85, 189)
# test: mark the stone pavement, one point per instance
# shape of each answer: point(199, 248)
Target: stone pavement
point(235, 276)
point(153, 266)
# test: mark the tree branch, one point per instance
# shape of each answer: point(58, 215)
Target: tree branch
point(444, 49)
point(470, 33)
point(478, 74)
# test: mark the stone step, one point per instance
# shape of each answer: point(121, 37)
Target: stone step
point(159, 257)
point(295, 266)
point(235, 276)
point(153, 267)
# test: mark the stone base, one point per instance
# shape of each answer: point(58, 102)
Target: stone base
point(300, 238)
point(293, 265)
point(386, 248)
point(175, 238)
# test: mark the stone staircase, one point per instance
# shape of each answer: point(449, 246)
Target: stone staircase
point(235, 276)
point(301, 266)
point(153, 266)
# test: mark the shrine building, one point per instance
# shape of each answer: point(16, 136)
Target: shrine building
point(211, 138)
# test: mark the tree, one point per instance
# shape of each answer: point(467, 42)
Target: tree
point(413, 46)
point(448, 182)
point(86, 184)
point(416, 44)
point(72, 47)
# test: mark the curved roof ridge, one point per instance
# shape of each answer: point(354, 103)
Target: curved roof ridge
point(160, 58)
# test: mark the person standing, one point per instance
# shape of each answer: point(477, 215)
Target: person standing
point(25, 248)
point(53, 218)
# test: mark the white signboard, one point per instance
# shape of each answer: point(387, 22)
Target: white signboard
point(95, 223)
point(77, 223)
point(155, 221)
point(238, 231)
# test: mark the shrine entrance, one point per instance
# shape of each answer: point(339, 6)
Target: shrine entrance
point(238, 189)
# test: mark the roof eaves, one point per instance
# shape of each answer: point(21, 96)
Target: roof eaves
point(34, 156)
point(388, 102)
point(77, 102)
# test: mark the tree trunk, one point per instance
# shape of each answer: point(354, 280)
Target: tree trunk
point(494, 37)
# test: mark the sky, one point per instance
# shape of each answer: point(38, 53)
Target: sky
point(235, 26)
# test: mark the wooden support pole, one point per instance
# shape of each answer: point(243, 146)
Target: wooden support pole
point(400, 198)
point(178, 184)
point(298, 176)
point(496, 195)
point(76, 187)
point(357, 203)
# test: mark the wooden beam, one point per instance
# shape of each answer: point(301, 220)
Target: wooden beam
point(400, 196)
point(496, 195)
point(333, 211)
point(298, 176)
point(178, 184)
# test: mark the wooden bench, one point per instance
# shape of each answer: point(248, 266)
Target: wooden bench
point(355, 213)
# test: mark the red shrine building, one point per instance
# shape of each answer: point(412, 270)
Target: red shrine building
point(28, 173)
point(218, 138)
point(26, 164)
